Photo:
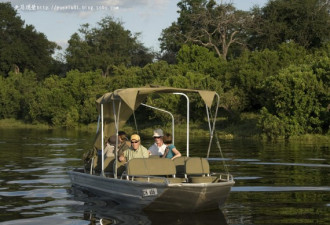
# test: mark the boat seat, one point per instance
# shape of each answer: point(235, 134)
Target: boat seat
point(180, 165)
point(197, 170)
point(154, 156)
point(140, 169)
point(109, 166)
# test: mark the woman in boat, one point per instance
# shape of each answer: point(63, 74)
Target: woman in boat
point(109, 148)
point(135, 151)
point(111, 143)
point(124, 142)
point(158, 148)
point(170, 152)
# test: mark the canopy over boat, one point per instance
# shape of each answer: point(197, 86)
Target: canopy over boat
point(125, 101)
point(184, 184)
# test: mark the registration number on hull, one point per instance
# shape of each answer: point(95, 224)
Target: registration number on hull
point(149, 192)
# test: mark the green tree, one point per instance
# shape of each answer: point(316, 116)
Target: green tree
point(245, 74)
point(9, 98)
point(16, 95)
point(305, 21)
point(199, 59)
point(272, 126)
point(84, 88)
point(217, 27)
point(53, 104)
point(21, 46)
point(293, 97)
point(105, 46)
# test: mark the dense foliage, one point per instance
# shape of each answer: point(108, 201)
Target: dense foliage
point(286, 83)
point(305, 21)
point(105, 46)
point(206, 23)
point(227, 31)
point(22, 47)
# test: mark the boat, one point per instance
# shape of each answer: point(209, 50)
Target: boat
point(185, 184)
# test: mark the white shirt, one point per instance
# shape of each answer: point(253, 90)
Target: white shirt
point(155, 150)
point(108, 151)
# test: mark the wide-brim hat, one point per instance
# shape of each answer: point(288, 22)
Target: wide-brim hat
point(158, 133)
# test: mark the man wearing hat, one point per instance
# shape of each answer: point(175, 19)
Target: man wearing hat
point(135, 151)
point(158, 148)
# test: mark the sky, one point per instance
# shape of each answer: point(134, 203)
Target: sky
point(59, 19)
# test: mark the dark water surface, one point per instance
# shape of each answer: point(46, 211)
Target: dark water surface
point(276, 183)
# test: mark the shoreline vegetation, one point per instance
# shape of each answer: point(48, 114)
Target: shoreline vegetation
point(243, 130)
point(272, 77)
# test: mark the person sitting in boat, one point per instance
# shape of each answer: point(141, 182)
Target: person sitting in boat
point(123, 142)
point(109, 147)
point(111, 143)
point(158, 148)
point(170, 152)
point(135, 151)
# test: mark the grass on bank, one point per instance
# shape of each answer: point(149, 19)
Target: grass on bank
point(13, 123)
point(245, 127)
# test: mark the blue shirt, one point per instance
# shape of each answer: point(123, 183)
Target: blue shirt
point(170, 153)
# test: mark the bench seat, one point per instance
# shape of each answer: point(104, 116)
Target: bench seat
point(109, 166)
point(147, 170)
point(197, 170)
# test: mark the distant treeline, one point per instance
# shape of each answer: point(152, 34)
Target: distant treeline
point(261, 61)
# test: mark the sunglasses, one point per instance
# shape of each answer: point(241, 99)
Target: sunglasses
point(134, 142)
point(157, 137)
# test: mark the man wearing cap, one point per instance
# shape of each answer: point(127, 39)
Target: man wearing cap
point(135, 151)
point(158, 148)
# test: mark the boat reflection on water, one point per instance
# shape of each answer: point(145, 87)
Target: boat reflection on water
point(205, 218)
point(98, 210)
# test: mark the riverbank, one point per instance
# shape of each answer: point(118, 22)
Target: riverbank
point(245, 128)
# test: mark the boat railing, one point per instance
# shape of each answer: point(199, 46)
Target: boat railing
point(223, 176)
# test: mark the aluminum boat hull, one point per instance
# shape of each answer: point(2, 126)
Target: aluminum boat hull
point(183, 197)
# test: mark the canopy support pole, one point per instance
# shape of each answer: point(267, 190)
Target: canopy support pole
point(117, 129)
point(213, 126)
point(208, 118)
point(98, 123)
point(188, 116)
point(97, 130)
point(102, 138)
point(136, 128)
point(162, 110)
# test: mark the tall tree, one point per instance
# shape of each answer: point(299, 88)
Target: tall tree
point(105, 46)
point(21, 46)
point(306, 22)
point(206, 23)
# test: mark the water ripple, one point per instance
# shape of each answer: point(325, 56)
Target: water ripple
point(37, 193)
point(43, 181)
point(247, 178)
point(279, 189)
point(291, 164)
point(60, 218)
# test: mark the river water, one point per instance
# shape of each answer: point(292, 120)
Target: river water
point(276, 183)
